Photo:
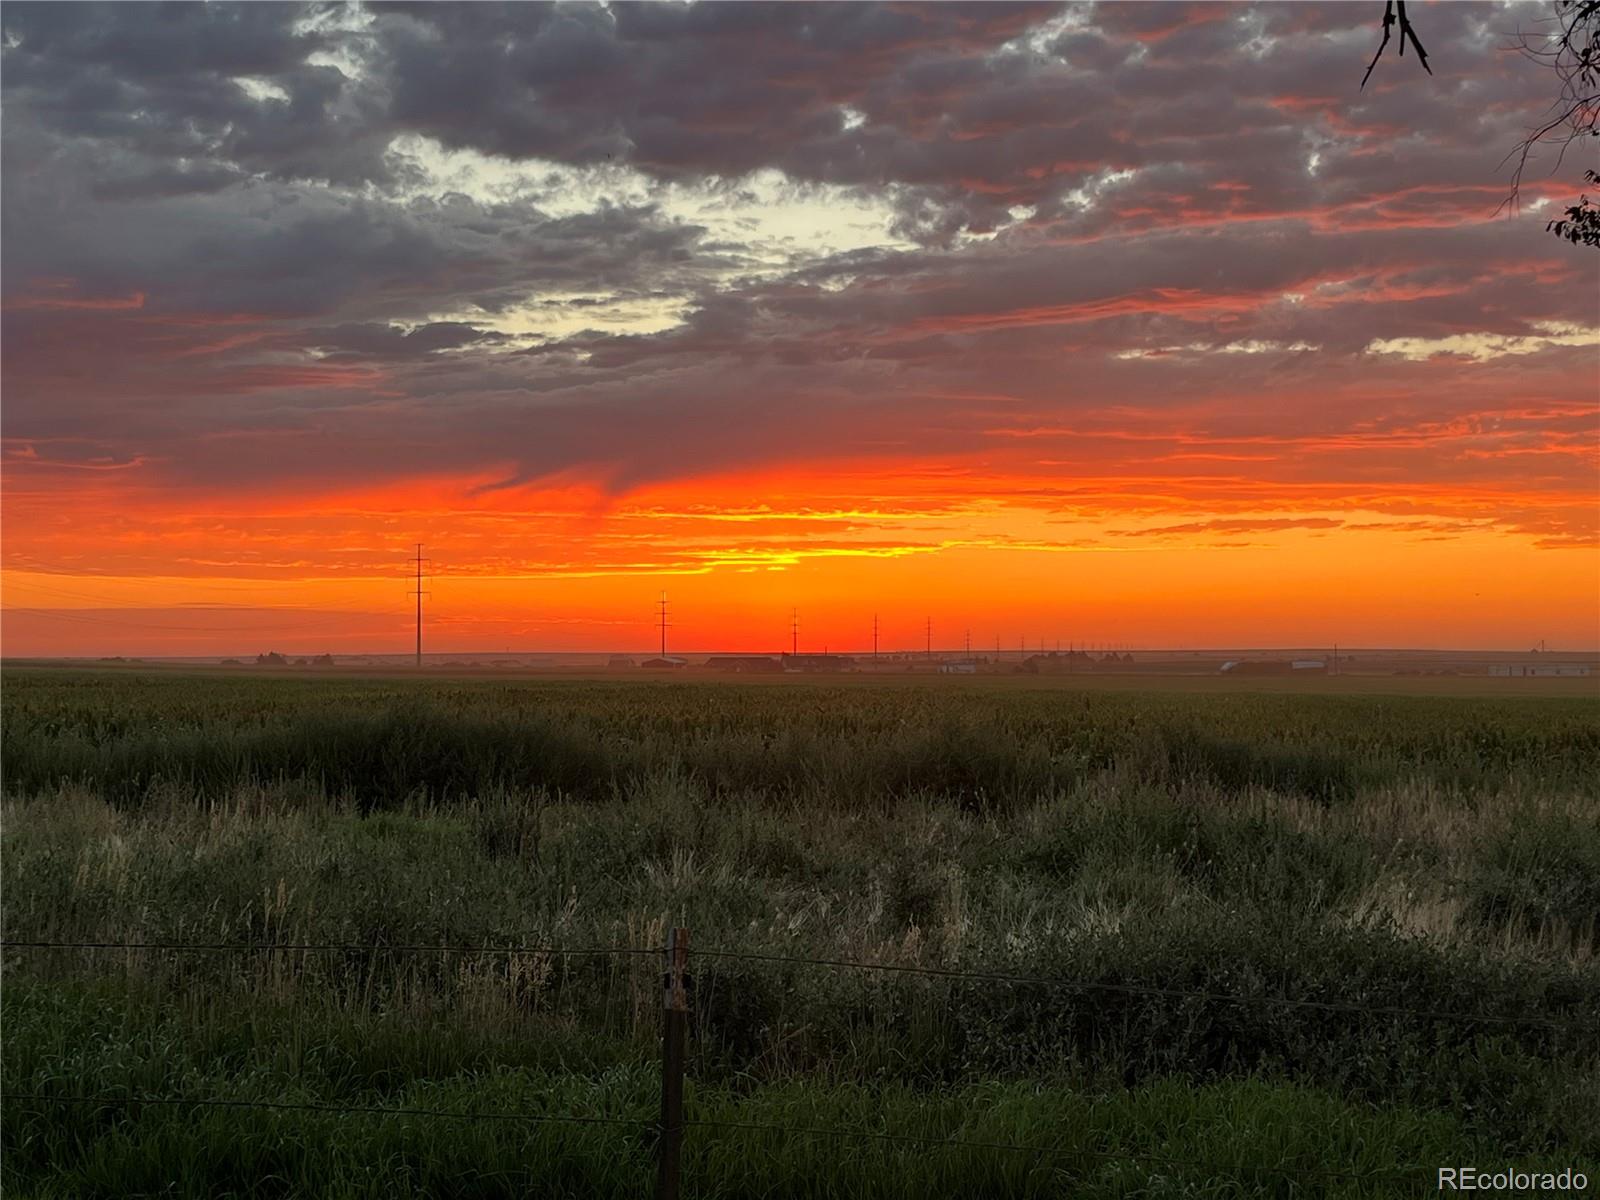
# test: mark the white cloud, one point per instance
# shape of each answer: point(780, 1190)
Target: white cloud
point(1246, 346)
point(768, 222)
point(759, 227)
point(548, 316)
point(346, 56)
point(1084, 197)
point(1038, 39)
point(1481, 347)
point(261, 90)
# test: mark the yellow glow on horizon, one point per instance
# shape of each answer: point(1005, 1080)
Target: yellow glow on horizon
point(1030, 576)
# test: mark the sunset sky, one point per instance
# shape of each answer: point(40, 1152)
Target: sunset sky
point(1132, 324)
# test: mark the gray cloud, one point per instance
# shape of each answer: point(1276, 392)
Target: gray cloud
point(255, 266)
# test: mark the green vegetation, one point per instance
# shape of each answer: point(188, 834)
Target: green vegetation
point(1164, 869)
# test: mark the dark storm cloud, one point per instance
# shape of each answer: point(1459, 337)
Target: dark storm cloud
point(674, 89)
point(280, 251)
point(705, 88)
point(212, 197)
point(159, 83)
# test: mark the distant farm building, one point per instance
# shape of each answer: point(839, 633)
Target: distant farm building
point(1297, 666)
point(668, 663)
point(818, 662)
point(746, 664)
point(966, 667)
point(1542, 670)
point(620, 661)
point(1070, 662)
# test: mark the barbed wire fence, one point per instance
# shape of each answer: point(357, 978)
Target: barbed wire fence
point(671, 1123)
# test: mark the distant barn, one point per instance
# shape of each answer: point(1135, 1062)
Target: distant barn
point(818, 662)
point(1278, 666)
point(746, 664)
point(1543, 670)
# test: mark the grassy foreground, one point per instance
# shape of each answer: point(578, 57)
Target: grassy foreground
point(1165, 1138)
point(1165, 870)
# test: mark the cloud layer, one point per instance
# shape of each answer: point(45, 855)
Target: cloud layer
point(1099, 275)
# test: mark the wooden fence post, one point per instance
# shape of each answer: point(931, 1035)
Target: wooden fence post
point(674, 1032)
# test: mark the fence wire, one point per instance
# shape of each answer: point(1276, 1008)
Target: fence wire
point(950, 973)
point(1135, 989)
point(306, 1106)
point(328, 948)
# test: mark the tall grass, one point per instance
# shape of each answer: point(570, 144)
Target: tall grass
point(383, 744)
point(1420, 854)
point(1167, 1138)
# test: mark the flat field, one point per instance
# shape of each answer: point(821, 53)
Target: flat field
point(1204, 941)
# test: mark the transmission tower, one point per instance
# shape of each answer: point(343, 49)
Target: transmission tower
point(661, 618)
point(874, 635)
point(419, 594)
point(794, 632)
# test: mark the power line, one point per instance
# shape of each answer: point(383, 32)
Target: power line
point(326, 947)
point(1143, 990)
point(316, 619)
point(187, 585)
point(296, 1106)
point(56, 614)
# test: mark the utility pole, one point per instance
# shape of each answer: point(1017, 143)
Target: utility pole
point(930, 636)
point(969, 643)
point(662, 618)
point(874, 637)
point(419, 594)
point(794, 632)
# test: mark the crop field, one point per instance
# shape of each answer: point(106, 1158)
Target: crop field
point(1123, 942)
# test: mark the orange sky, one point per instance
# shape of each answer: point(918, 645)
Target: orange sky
point(570, 569)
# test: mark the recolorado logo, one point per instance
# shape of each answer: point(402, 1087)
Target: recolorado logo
point(1470, 1179)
